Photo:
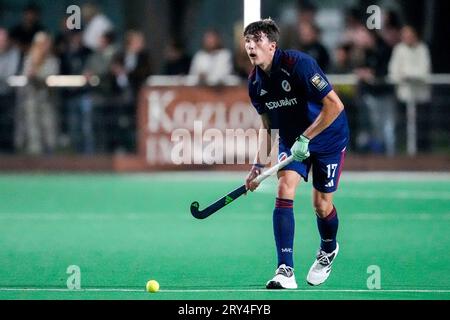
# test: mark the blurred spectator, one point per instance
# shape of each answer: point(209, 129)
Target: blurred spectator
point(9, 66)
point(97, 69)
point(132, 66)
point(74, 55)
point(9, 61)
point(410, 66)
point(129, 70)
point(99, 62)
point(96, 25)
point(310, 44)
point(342, 63)
point(213, 63)
point(176, 60)
point(36, 123)
point(62, 37)
point(377, 106)
point(306, 12)
point(242, 64)
point(23, 33)
point(391, 28)
point(355, 31)
point(73, 62)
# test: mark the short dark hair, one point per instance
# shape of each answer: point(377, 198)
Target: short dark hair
point(266, 26)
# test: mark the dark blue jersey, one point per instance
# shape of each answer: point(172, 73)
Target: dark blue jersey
point(291, 97)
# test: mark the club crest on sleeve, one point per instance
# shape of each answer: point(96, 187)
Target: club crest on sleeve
point(318, 82)
point(282, 156)
point(286, 86)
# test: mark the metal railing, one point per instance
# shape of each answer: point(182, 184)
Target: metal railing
point(66, 81)
point(336, 79)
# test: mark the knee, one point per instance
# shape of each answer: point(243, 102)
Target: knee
point(286, 190)
point(323, 207)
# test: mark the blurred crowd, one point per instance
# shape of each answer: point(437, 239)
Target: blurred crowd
point(394, 52)
point(37, 119)
point(85, 119)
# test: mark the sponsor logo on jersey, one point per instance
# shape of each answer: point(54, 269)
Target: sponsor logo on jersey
point(286, 249)
point(263, 92)
point(281, 103)
point(318, 82)
point(286, 86)
point(282, 156)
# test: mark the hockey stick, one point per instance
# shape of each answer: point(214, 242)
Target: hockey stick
point(233, 195)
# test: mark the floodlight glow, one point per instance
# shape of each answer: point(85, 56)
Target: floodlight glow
point(252, 11)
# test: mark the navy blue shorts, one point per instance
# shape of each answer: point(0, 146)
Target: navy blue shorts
point(326, 168)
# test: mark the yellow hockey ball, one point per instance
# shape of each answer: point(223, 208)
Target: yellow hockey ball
point(152, 286)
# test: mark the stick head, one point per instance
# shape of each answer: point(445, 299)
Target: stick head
point(194, 208)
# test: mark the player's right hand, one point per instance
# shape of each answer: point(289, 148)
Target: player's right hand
point(254, 172)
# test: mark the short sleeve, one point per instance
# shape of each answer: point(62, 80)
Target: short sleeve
point(313, 79)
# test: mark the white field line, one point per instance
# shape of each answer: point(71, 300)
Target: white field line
point(223, 290)
point(378, 176)
point(258, 216)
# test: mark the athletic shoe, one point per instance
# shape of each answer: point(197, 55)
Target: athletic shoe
point(284, 279)
point(321, 268)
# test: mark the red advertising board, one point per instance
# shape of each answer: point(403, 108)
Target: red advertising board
point(196, 126)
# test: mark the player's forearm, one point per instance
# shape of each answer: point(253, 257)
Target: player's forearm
point(332, 107)
point(264, 142)
point(264, 146)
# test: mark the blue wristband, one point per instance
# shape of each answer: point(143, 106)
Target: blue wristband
point(258, 165)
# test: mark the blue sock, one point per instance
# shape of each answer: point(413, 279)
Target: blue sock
point(328, 228)
point(283, 230)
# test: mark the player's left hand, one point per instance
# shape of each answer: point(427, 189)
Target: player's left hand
point(254, 172)
point(300, 149)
